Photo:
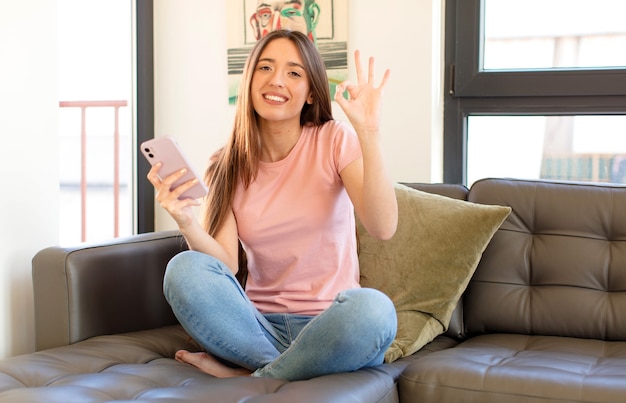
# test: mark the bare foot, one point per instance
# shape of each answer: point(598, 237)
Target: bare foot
point(209, 364)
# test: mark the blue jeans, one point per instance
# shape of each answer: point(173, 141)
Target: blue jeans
point(354, 332)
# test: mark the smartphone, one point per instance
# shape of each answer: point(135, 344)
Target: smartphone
point(168, 153)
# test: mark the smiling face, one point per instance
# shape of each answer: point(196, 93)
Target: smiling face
point(280, 83)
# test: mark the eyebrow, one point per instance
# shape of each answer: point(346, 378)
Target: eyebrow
point(292, 64)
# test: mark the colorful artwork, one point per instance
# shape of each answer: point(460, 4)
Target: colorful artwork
point(324, 21)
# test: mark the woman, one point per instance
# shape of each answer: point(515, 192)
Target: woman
point(286, 186)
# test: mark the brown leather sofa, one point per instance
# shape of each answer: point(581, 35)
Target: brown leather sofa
point(543, 318)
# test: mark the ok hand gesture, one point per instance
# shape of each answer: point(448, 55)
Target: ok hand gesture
point(363, 106)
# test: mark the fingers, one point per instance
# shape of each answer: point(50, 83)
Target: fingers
point(359, 69)
point(178, 209)
point(370, 71)
point(385, 79)
point(339, 90)
point(178, 192)
point(164, 186)
point(153, 174)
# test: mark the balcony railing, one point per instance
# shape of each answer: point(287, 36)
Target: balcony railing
point(585, 167)
point(84, 181)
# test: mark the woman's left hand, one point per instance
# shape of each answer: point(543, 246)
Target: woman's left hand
point(363, 106)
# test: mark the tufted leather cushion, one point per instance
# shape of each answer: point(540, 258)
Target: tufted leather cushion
point(519, 368)
point(557, 266)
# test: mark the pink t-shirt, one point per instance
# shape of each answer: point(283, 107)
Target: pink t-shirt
point(296, 224)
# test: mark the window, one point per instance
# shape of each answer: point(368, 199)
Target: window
point(95, 119)
point(535, 89)
point(539, 34)
point(103, 104)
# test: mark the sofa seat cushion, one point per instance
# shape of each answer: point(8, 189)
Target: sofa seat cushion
point(138, 366)
point(508, 367)
point(120, 367)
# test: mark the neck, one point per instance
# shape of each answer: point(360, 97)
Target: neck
point(277, 141)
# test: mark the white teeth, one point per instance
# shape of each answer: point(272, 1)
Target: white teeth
point(275, 98)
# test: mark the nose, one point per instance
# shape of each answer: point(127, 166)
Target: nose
point(277, 79)
point(276, 21)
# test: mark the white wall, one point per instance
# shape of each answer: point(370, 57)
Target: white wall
point(191, 85)
point(28, 159)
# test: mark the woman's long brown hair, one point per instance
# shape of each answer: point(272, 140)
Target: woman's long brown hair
point(237, 161)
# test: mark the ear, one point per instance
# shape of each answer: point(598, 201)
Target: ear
point(309, 100)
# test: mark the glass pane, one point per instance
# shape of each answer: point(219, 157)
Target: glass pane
point(95, 119)
point(578, 148)
point(545, 34)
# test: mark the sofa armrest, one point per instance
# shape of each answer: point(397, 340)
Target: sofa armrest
point(102, 288)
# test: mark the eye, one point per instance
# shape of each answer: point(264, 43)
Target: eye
point(295, 74)
point(264, 14)
point(264, 67)
point(291, 12)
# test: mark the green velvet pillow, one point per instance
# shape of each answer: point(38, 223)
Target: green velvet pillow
point(428, 263)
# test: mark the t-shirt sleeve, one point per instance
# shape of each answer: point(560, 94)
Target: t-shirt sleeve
point(346, 146)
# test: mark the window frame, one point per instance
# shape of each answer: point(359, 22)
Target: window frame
point(144, 113)
point(470, 91)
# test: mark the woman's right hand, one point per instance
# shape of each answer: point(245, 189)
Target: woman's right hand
point(179, 209)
